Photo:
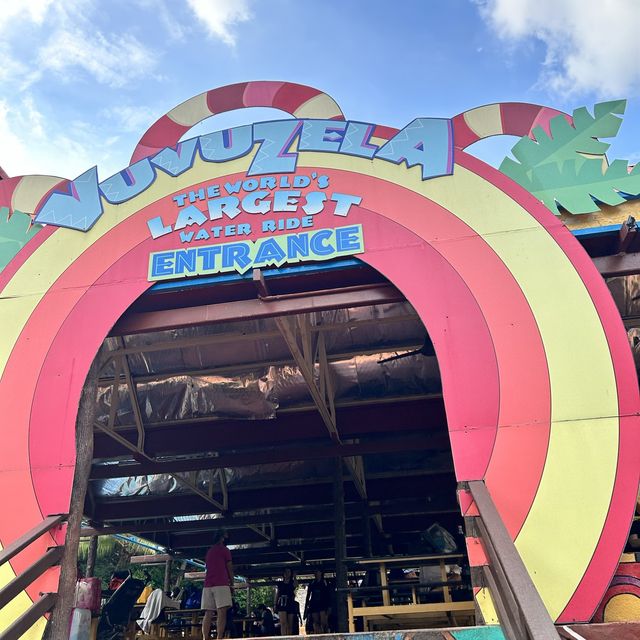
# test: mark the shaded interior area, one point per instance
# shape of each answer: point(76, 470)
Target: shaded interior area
point(626, 293)
point(244, 402)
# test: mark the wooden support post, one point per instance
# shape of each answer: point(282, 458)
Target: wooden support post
point(91, 556)
point(443, 578)
point(352, 625)
point(340, 531)
point(386, 596)
point(59, 622)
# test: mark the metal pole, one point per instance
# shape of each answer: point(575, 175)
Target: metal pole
point(340, 531)
point(167, 576)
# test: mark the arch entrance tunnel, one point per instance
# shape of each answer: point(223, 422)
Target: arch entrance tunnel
point(266, 303)
point(309, 423)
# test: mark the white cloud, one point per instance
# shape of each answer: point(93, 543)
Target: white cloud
point(130, 119)
point(32, 10)
point(220, 16)
point(44, 43)
point(33, 144)
point(11, 69)
point(591, 45)
point(65, 41)
point(112, 60)
point(173, 28)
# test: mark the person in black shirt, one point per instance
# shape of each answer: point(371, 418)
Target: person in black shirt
point(318, 603)
point(285, 602)
point(265, 623)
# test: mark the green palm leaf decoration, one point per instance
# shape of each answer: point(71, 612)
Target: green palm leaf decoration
point(567, 142)
point(15, 231)
point(568, 168)
point(575, 185)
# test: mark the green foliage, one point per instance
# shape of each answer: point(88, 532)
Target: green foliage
point(574, 185)
point(114, 554)
point(259, 595)
point(15, 231)
point(567, 142)
point(568, 167)
point(108, 546)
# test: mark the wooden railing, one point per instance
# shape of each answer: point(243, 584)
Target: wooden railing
point(405, 598)
point(46, 601)
point(520, 609)
point(446, 609)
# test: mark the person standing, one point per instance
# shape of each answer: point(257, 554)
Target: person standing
point(285, 602)
point(218, 583)
point(318, 603)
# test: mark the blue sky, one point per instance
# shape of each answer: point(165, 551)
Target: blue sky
point(81, 80)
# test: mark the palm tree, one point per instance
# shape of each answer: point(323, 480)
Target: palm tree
point(113, 553)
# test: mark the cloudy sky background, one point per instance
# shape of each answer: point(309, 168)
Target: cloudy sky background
point(81, 80)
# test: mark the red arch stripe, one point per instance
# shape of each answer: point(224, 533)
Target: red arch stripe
point(78, 277)
point(613, 537)
point(287, 96)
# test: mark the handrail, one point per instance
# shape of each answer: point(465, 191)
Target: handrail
point(22, 624)
point(398, 585)
point(25, 540)
point(24, 579)
point(9, 591)
point(507, 610)
point(521, 610)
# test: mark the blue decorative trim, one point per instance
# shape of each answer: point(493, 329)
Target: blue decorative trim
point(596, 231)
point(190, 283)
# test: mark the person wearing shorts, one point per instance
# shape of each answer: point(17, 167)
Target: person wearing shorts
point(318, 603)
point(218, 582)
point(285, 602)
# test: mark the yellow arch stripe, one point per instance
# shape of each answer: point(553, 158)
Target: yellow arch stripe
point(484, 121)
point(17, 606)
point(577, 483)
point(583, 446)
point(192, 111)
point(40, 271)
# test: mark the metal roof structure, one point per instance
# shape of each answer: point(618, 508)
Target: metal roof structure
point(215, 423)
point(238, 423)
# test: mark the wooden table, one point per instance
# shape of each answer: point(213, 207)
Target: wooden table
point(159, 629)
point(411, 561)
point(387, 609)
point(193, 626)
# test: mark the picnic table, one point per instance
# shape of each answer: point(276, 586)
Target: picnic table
point(388, 610)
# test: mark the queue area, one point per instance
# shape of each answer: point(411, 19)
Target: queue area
point(301, 410)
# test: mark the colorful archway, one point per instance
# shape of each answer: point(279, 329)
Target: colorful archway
point(502, 287)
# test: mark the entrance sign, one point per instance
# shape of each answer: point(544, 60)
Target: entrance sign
point(221, 203)
point(500, 284)
point(324, 244)
point(425, 142)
